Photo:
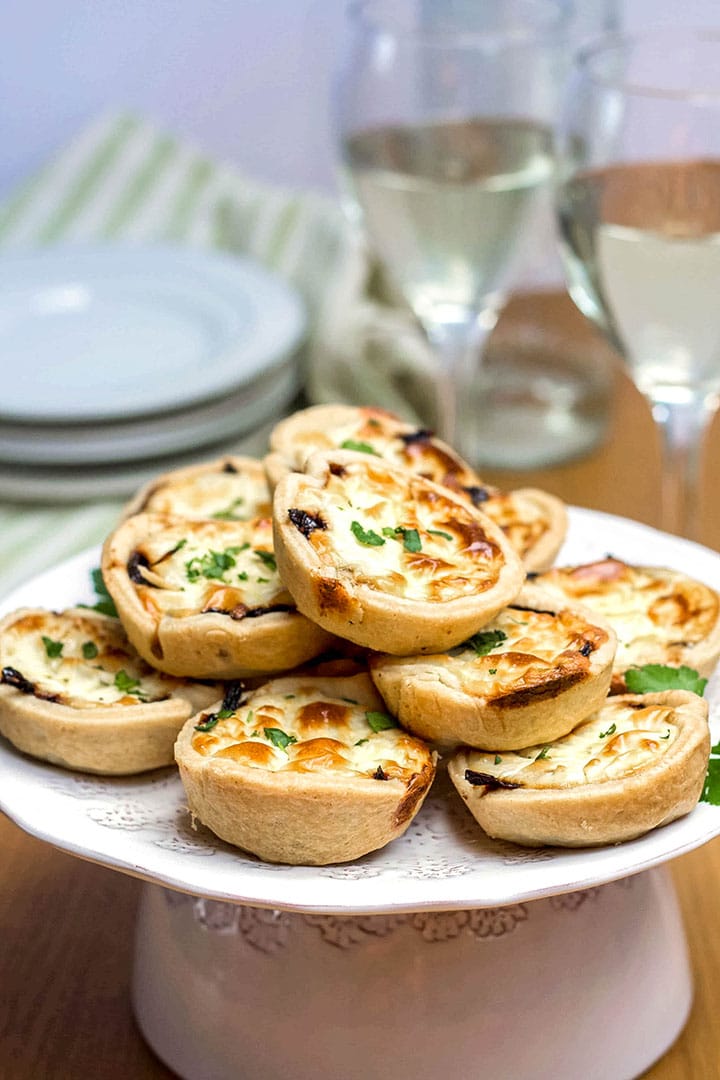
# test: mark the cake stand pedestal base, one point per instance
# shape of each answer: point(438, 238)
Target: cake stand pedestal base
point(593, 984)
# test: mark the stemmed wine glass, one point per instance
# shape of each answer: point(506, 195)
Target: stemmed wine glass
point(639, 213)
point(444, 110)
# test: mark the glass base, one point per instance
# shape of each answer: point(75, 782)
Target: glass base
point(525, 416)
point(541, 395)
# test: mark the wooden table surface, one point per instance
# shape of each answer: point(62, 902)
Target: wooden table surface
point(66, 926)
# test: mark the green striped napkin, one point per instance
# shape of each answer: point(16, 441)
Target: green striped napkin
point(122, 180)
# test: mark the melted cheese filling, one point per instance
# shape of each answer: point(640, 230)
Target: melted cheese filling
point(614, 742)
point(382, 433)
point(319, 733)
point(370, 513)
point(115, 676)
point(198, 566)
point(538, 648)
point(522, 519)
point(225, 496)
point(656, 613)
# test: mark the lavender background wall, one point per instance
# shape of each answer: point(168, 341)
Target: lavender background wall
point(248, 80)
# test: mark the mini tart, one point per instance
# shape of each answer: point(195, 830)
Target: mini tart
point(387, 559)
point(636, 763)
point(528, 676)
point(74, 692)
point(534, 521)
point(306, 769)
point(204, 598)
point(227, 489)
point(661, 616)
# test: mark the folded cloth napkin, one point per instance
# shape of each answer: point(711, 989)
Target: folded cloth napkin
point(124, 181)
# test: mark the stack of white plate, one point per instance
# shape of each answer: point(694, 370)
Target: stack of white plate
point(119, 363)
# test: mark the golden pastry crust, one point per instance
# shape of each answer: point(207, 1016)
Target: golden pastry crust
point(308, 769)
point(661, 616)
point(74, 692)
point(204, 598)
point(529, 676)
point(230, 488)
point(637, 763)
point(387, 559)
point(534, 521)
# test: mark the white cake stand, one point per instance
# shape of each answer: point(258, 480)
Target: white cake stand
point(444, 954)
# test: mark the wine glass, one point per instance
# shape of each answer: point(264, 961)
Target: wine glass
point(445, 112)
point(639, 214)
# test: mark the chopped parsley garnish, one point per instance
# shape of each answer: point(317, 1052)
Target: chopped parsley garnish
point(361, 742)
point(367, 537)
point(361, 447)
point(379, 721)
point(651, 678)
point(89, 650)
point(492, 671)
point(208, 723)
point(105, 603)
point(229, 513)
point(485, 641)
point(410, 537)
point(212, 718)
point(544, 753)
point(126, 684)
point(411, 540)
point(498, 759)
point(52, 648)
point(213, 564)
point(711, 788)
point(267, 557)
point(439, 532)
point(666, 735)
point(279, 738)
point(610, 731)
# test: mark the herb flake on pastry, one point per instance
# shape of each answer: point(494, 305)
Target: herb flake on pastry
point(388, 559)
point(204, 598)
point(635, 764)
point(73, 691)
point(534, 671)
point(305, 769)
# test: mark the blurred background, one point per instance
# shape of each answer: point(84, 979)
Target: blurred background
point(248, 81)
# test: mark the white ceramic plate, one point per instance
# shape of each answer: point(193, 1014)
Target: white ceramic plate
point(96, 333)
point(69, 485)
point(51, 446)
point(444, 861)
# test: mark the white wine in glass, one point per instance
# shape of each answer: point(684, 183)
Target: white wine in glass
point(639, 214)
point(443, 202)
point(444, 115)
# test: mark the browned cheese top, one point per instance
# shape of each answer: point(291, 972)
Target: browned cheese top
point(520, 656)
point(658, 614)
point(83, 661)
point(181, 568)
point(394, 532)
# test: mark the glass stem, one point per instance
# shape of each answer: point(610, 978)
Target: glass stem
point(682, 428)
point(458, 350)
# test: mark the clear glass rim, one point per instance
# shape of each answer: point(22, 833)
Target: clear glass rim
point(370, 17)
point(588, 57)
